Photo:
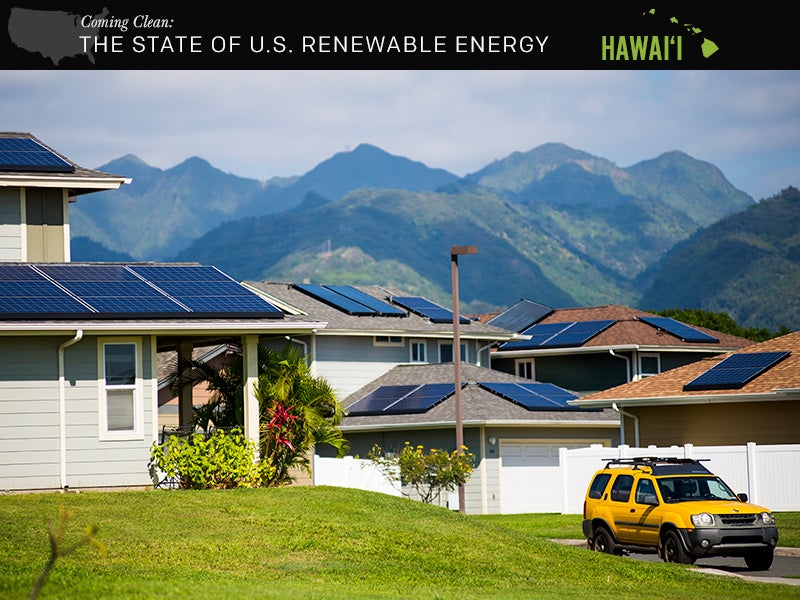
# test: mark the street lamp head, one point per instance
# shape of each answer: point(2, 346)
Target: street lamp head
point(459, 250)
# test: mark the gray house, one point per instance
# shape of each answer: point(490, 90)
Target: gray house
point(371, 329)
point(514, 426)
point(79, 341)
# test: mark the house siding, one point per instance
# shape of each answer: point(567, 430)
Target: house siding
point(29, 419)
point(10, 225)
point(717, 424)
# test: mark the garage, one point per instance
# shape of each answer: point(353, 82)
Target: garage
point(530, 478)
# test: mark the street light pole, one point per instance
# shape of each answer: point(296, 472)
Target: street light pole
point(455, 252)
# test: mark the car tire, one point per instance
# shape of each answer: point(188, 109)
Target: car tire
point(759, 561)
point(603, 541)
point(673, 550)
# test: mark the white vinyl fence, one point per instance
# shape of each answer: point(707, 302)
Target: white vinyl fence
point(769, 475)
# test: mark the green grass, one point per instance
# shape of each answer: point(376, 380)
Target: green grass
point(325, 542)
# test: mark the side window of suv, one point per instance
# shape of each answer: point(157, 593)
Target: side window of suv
point(599, 484)
point(645, 492)
point(621, 489)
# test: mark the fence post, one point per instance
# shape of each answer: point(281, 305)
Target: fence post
point(752, 488)
point(622, 450)
point(687, 451)
point(562, 461)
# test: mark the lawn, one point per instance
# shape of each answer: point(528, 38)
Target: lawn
point(323, 543)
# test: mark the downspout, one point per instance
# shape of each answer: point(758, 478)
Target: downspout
point(627, 364)
point(488, 355)
point(622, 415)
point(62, 408)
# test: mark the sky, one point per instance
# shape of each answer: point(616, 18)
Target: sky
point(264, 124)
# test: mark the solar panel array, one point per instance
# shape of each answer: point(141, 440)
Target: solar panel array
point(401, 399)
point(735, 371)
point(679, 330)
point(425, 308)
point(68, 290)
point(350, 300)
point(26, 154)
point(533, 396)
point(559, 335)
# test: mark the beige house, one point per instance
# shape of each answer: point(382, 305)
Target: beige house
point(748, 395)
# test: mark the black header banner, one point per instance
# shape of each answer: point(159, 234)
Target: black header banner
point(610, 35)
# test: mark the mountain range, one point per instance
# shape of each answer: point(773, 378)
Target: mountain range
point(555, 224)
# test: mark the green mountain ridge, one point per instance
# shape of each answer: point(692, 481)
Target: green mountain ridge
point(554, 224)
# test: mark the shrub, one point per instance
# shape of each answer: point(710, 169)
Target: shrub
point(217, 461)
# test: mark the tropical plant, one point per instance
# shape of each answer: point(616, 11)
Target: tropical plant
point(426, 474)
point(296, 410)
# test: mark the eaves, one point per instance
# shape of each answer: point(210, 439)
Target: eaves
point(729, 398)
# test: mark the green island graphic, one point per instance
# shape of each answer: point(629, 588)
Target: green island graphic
point(708, 47)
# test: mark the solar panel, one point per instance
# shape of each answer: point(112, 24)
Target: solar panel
point(533, 396)
point(381, 308)
point(559, 335)
point(207, 290)
point(735, 371)
point(104, 291)
point(26, 154)
point(401, 399)
point(520, 316)
point(679, 330)
point(425, 308)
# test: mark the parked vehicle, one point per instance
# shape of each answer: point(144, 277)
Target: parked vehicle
point(676, 508)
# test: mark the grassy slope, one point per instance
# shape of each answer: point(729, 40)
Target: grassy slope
point(322, 542)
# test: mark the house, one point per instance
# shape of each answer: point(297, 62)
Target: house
point(596, 348)
point(79, 341)
point(514, 426)
point(748, 395)
point(371, 329)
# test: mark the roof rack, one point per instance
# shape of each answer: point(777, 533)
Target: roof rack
point(672, 464)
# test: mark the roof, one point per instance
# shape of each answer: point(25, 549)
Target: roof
point(781, 381)
point(295, 301)
point(77, 180)
point(479, 406)
point(162, 298)
point(627, 331)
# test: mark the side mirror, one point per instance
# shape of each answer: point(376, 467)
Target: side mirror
point(650, 499)
point(742, 497)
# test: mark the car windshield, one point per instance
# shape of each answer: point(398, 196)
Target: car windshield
point(689, 488)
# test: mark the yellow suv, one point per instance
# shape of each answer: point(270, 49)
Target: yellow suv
point(677, 508)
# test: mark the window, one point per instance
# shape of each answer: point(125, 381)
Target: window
point(645, 492)
point(387, 340)
point(599, 485)
point(446, 352)
point(525, 369)
point(649, 364)
point(120, 390)
point(621, 489)
point(418, 351)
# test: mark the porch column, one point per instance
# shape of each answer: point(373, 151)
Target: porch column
point(250, 363)
point(185, 399)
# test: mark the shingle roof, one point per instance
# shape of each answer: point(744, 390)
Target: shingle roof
point(81, 181)
point(629, 331)
point(339, 321)
point(780, 379)
point(479, 406)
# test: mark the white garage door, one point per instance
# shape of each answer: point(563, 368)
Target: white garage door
point(530, 480)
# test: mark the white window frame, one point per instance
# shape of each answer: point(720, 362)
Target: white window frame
point(388, 340)
point(136, 388)
point(418, 344)
point(656, 355)
point(525, 367)
point(464, 351)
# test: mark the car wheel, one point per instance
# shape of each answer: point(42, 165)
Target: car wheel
point(760, 561)
point(674, 551)
point(603, 542)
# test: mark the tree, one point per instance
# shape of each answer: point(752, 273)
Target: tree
point(427, 474)
point(296, 410)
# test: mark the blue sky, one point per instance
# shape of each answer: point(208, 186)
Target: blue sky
point(262, 124)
